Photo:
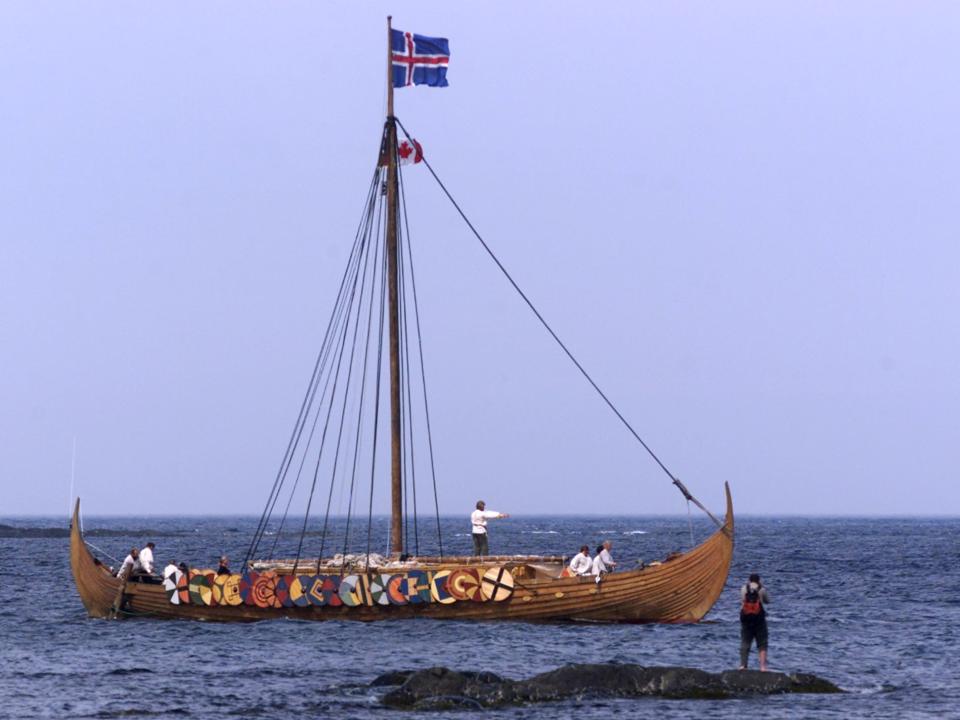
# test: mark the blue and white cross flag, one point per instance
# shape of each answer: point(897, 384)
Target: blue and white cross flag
point(419, 60)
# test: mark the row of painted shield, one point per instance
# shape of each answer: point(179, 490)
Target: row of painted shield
point(270, 590)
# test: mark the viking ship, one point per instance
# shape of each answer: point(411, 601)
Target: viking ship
point(337, 434)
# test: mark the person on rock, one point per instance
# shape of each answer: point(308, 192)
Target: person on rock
point(753, 620)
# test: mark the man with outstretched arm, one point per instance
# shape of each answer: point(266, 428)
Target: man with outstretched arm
point(478, 518)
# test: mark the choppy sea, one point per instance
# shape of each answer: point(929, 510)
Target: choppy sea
point(871, 604)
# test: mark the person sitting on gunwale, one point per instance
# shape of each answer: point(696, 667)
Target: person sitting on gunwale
point(224, 568)
point(603, 563)
point(130, 565)
point(581, 563)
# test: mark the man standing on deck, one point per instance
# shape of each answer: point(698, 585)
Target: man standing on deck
point(478, 518)
point(146, 558)
point(753, 621)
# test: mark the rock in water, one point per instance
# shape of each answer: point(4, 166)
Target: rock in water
point(441, 688)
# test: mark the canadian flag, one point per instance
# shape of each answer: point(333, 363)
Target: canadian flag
point(409, 152)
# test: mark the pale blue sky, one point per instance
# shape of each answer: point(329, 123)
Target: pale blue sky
point(742, 218)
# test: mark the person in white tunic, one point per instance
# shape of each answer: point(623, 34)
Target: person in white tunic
point(131, 564)
point(581, 563)
point(146, 558)
point(478, 518)
point(603, 563)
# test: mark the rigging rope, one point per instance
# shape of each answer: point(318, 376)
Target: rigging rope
point(373, 220)
point(546, 325)
point(406, 394)
point(326, 424)
point(307, 400)
point(376, 401)
point(363, 383)
point(423, 372)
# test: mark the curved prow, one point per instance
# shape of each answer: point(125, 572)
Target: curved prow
point(95, 584)
point(728, 519)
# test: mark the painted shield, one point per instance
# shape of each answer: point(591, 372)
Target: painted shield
point(183, 588)
point(298, 590)
point(363, 590)
point(283, 590)
point(464, 584)
point(264, 590)
point(313, 589)
point(497, 584)
point(201, 592)
point(397, 589)
point(331, 590)
point(171, 584)
point(379, 585)
point(218, 582)
point(418, 587)
point(230, 590)
point(438, 588)
point(247, 580)
point(212, 577)
point(348, 591)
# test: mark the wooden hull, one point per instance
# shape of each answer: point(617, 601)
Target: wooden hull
point(679, 591)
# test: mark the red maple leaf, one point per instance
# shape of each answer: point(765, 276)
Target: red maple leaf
point(404, 150)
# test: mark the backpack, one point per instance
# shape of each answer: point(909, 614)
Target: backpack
point(752, 607)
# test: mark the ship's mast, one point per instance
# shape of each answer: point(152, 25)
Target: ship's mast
point(396, 484)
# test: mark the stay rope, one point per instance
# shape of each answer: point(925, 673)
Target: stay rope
point(546, 325)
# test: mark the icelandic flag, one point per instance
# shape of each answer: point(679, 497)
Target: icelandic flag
point(419, 60)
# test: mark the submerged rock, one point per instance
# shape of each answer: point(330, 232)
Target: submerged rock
point(441, 688)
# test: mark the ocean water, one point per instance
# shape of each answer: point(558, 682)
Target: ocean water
point(871, 604)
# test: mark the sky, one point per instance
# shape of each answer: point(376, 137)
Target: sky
point(742, 219)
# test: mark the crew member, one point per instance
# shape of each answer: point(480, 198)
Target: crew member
point(581, 563)
point(224, 568)
point(170, 569)
point(131, 564)
point(478, 519)
point(603, 563)
point(146, 558)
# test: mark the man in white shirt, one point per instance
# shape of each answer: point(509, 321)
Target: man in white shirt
point(603, 563)
point(146, 558)
point(170, 569)
point(581, 563)
point(131, 564)
point(478, 518)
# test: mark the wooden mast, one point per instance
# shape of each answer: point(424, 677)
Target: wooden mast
point(396, 486)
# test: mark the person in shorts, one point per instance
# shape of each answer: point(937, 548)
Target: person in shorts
point(753, 621)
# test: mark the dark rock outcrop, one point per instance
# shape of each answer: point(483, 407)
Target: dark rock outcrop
point(442, 688)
